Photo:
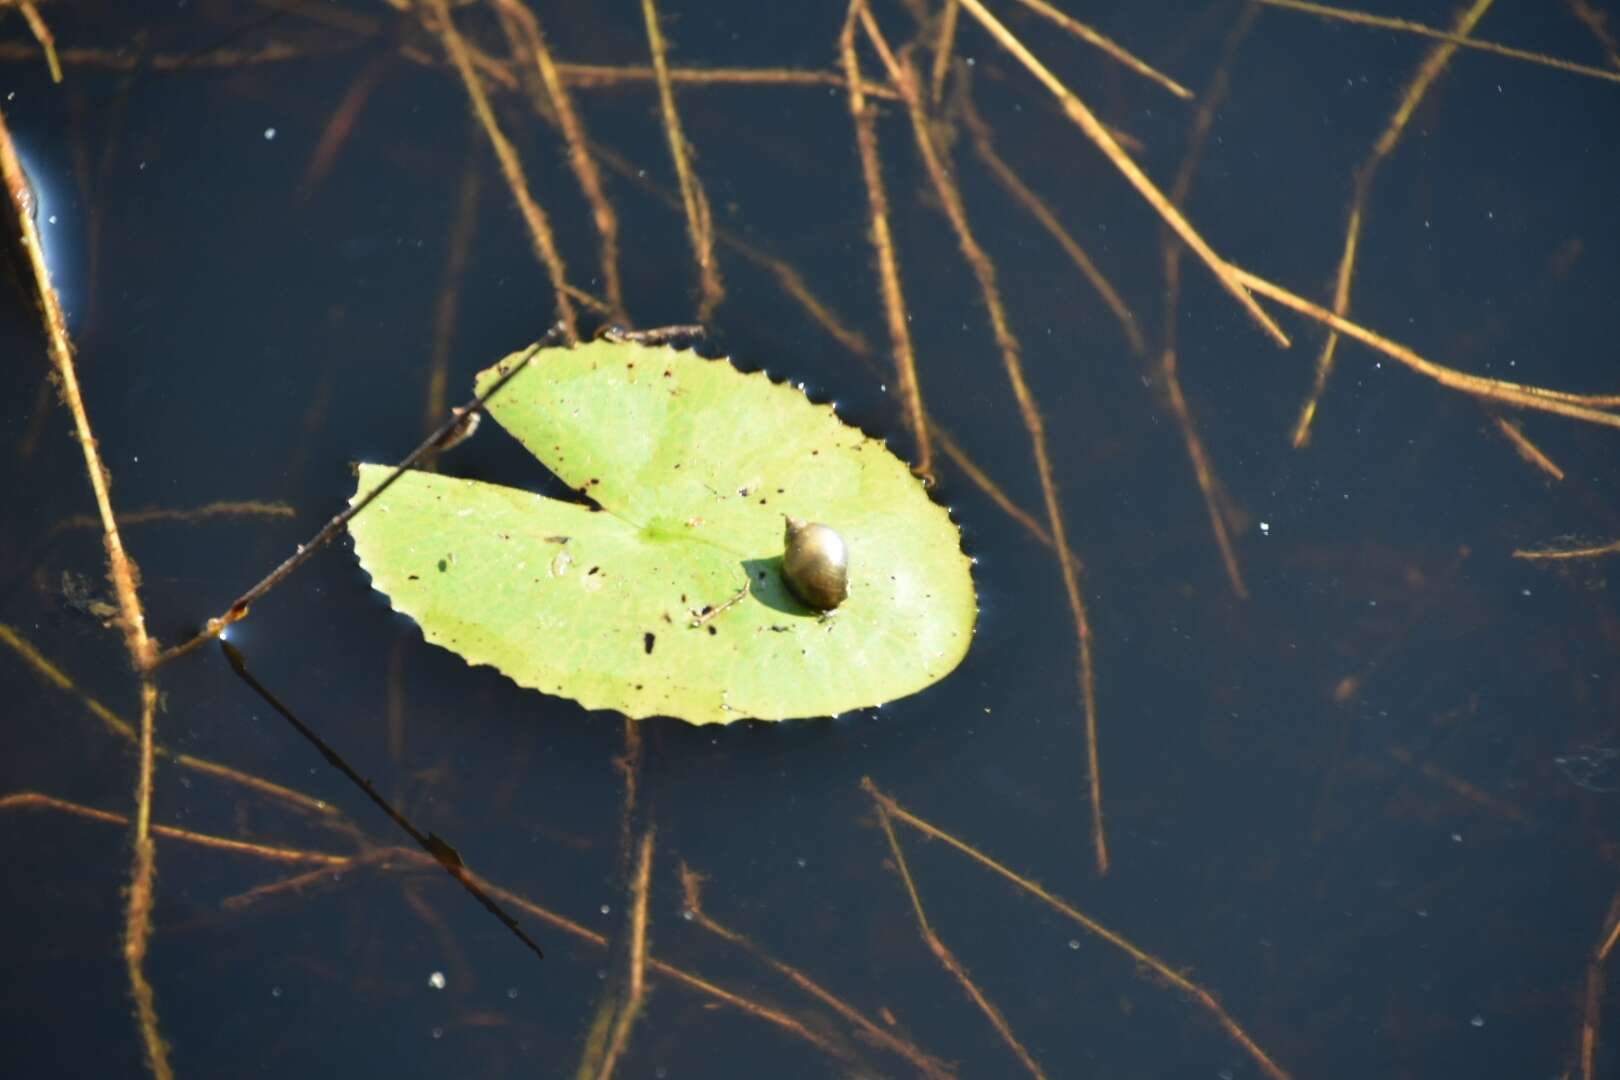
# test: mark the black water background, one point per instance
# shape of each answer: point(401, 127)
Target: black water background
point(240, 338)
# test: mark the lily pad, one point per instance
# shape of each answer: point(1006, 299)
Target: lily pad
point(663, 595)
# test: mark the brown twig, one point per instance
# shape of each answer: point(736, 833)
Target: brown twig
point(1433, 65)
point(1586, 551)
point(1169, 366)
point(239, 607)
point(534, 217)
point(630, 1007)
point(154, 514)
point(1094, 130)
point(34, 800)
point(699, 224)
point(604, 75)
point(1200, 996)
point(523, 29)
point(402, 857)
point(947, 958)
point(463, 223)
point(138, 906)
point(1588, 407)
point(894, 306)
point(121, 569)
point(1407, 26)
point(904, 76)
point(927, 1064)
point(1032, 203)
point(1593, 1012)
point(123, 729)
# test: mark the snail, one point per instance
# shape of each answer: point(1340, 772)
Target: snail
point(815, 564)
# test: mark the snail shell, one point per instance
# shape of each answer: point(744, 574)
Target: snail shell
point(815, 564)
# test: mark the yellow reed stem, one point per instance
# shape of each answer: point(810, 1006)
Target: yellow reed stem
point(1118, 52)
point(944, 43)
point(1527, 450)
point(42, 34)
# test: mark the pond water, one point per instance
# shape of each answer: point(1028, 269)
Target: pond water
point(1358, 784)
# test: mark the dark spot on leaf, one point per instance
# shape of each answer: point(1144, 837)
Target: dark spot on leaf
point(666, 373)
point(762, 502)
point(442, 565)
point(762, 575)
point(593, 481)
point(779, 629)
point(647, 641)
point(683, 598)
point(593, 570)
point(412, 577)
point(712, 631)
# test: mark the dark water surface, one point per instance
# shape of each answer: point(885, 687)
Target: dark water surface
point(1373, 808)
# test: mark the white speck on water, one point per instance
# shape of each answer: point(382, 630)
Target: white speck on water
point(511, 993)
point(269, 134)
point(275, 991)
point(438, 1033)
point(1478, 1020)
point(802, 863)
point(51, 219)
point(1265, 527)
point(436, 980)
point(687, 914)
point(1074, 943)
point(1525, 592)
point(606, 909)
point(1456, 837)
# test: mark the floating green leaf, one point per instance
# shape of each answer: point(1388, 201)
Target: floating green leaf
point(638, 603)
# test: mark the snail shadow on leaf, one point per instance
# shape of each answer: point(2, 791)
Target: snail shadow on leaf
point(766, 585)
